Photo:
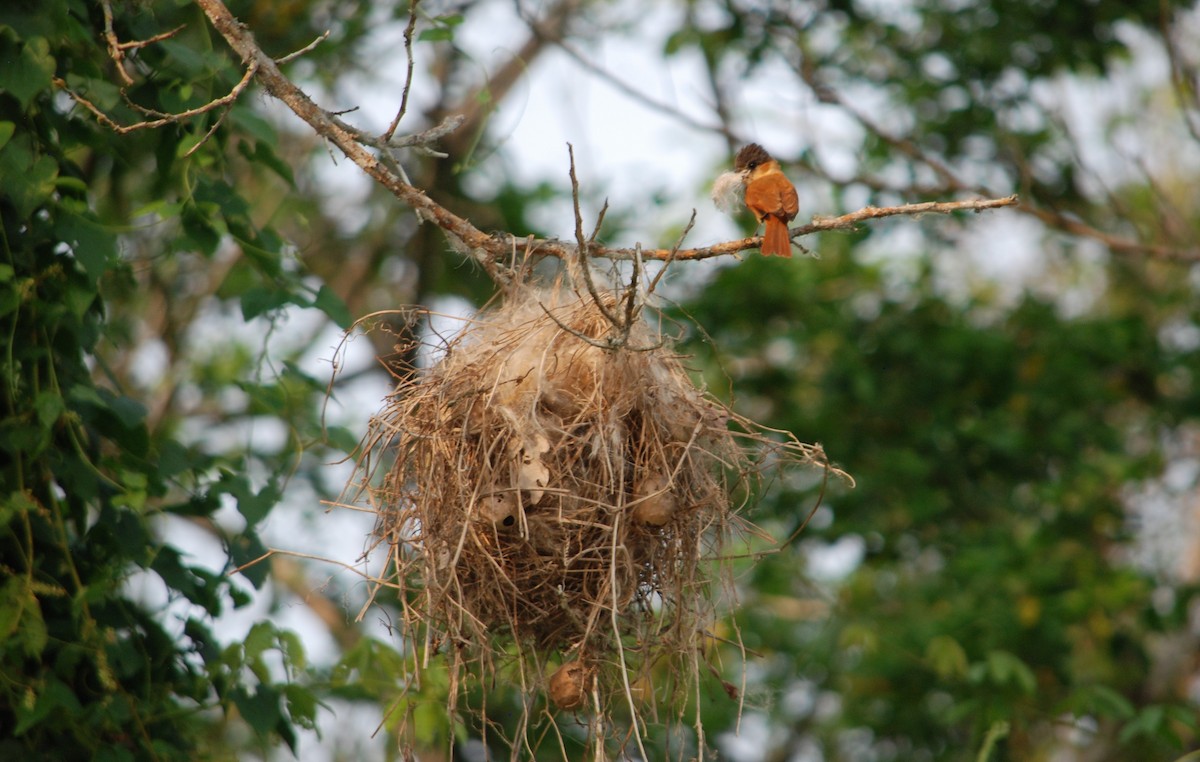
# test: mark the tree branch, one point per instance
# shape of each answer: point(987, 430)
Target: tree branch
point(950, 181)
point(491, 251)
point(478, 105)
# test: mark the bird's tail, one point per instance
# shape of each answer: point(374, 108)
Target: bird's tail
point(776, 242)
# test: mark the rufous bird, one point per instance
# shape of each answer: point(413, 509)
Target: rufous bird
point(769, 195)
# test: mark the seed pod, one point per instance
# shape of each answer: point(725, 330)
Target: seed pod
point(532, 473)
point(569, 685)
point(498, 508)
point(654, 503)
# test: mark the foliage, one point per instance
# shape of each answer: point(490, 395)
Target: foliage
point(92, 476)
point(998, 445)
point(993, 463)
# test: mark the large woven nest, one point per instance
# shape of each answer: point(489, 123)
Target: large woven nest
point(559, 484)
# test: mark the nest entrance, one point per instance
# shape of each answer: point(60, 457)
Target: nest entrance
point(556, 490)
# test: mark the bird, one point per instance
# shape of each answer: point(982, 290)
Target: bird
point(769, 195)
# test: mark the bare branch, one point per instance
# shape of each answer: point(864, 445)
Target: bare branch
point(135, 44)
point(307, 48)
point(490, 251)
point(909, 148)
point(114, 46)
point(477, 105)
point(671, 255)
point(1183, 81)
point(631, 301)
point(584, 246)
point(637, 95)
point(408, 77)
point(165, 119)
point(950, 181)
point(1075, 226)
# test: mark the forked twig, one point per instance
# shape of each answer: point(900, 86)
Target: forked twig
point(386, 137)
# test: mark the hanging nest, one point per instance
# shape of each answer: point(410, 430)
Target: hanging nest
point(557, 484)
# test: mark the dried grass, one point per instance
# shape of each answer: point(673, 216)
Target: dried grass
point(551, 499)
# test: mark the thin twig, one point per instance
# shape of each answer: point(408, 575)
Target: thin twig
point(114, 46)
point(408, 77)
point(633, 93)
point(492, 250)
point(909, 148)
point(1186, 91)
point(1050, 217)
point(599, 221)
point(813, 512)
point(107, 121)
point(584, 268)
point(209, 133)
point(306, 49)
point(631, 301)
point(671, 255)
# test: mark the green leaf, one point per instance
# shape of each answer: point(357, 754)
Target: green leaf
point(437, 34)
point(21, 616)
point(946, 657)
point(160, 208)
point(1005, 668)
point(341, 438)
point(443, 28)
point(247, 551)
point(28, 179)
point(93, 246)
point(12, 506)
point(260, 709)
point(333, 306)
point(104, 94)
point(6, 132)
point(262, 299)
point(1104, 701)
point(128, 411)
point(254, 124)
point(260, 638)
point(254, 506)
point(28, 69)
point(200, 586)
point(201, 231)
point(301, 705)
point(53, 695)
point(293, 649)
point(371, 668)
point(264, 154)
point(431, 722)
point(49, 406)
point(1147, 724)
point(65, 182)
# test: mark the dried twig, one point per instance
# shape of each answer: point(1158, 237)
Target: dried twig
point(671, 254)
point(386, 137)
point(584, 269)
point(165, 119)
point(116, 48)
point(477, 105)
point(490, 251)
point(307, 48)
